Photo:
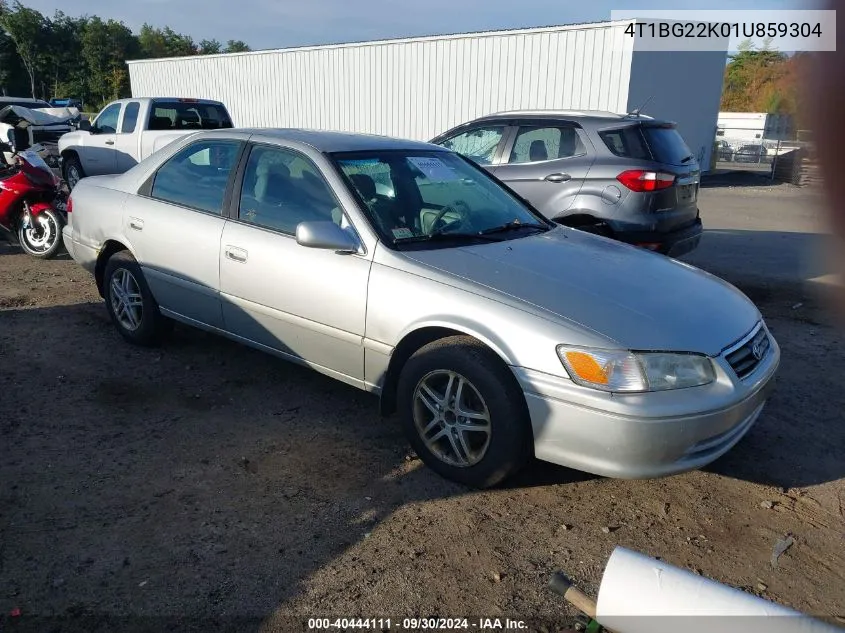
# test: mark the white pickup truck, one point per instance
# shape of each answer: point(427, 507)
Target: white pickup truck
point(126, 131)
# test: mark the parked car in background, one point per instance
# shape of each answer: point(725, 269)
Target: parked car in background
point(66, 103)
point(128, 130)
point(724, 151)
point(751, 154)
point(28, 123)
point(495, 333)
point(628, 177)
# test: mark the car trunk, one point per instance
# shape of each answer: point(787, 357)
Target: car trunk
point(676, 206)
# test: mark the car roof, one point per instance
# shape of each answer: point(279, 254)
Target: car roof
point(164, 99)
point(591, 118)
point(328, 142)
point(20, 100)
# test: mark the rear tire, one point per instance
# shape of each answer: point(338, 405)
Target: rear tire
point(131, 305)
point(449, 392)
point(72, 171)
point(43, 239)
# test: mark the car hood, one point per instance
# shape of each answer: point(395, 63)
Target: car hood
point(25, 117)
point(640, 300)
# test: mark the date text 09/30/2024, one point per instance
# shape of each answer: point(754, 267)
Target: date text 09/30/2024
point(416, 624)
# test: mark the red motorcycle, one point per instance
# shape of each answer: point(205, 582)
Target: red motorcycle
point(32, 205)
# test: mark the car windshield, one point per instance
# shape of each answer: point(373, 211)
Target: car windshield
point(413, 197)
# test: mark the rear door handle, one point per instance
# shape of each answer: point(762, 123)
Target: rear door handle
point(236, 254)
point(136, 223)
point(109, 142)
point(558, 177)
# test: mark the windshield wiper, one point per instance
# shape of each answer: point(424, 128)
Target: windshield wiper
point(687, 159)
point(440, 236)
point(514, 226)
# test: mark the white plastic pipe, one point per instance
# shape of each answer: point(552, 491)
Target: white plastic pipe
point(641, 595)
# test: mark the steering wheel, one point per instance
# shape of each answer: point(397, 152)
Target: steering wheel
point(458, 207)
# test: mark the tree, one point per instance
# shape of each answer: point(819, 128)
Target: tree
point(105, 48)
point(155, 42)
point(62, 51)
point(236, 46)
point(82, 57)
point(210, 47)
point(26, 28)
point(754, 81)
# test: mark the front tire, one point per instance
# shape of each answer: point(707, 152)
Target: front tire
point(72, 171)
point(464, 413)
point(131, 305)
point(43, 237)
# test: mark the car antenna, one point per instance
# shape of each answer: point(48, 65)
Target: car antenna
point(636, 111)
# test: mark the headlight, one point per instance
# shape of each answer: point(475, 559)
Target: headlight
point(619, 370)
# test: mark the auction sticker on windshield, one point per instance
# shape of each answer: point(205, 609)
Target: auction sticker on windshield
point(401, 233)
point(433, 168)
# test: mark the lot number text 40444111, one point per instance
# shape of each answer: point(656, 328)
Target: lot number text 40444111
point(416, 624)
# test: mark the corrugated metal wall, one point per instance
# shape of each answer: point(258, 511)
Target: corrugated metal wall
point(413, 88)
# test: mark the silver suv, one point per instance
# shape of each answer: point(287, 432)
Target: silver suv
point(630, 177)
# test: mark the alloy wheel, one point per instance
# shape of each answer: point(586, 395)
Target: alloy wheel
point(73, 176)
point(126, 300)
point(452, 418)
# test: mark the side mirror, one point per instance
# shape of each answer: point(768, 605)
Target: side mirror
point(84, 125)
point(326, 236)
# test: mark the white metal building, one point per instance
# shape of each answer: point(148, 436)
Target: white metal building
point(419, 87)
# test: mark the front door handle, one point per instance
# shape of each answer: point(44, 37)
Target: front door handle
point(558, 177)
point(136, 223)
point(109, 142)
point(236, 254)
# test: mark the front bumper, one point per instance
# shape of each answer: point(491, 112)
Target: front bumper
point(673, 244)
point(641, 436)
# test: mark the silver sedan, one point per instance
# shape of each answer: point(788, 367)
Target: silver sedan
point(405, 270)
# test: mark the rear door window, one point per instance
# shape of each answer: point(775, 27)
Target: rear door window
point(534, 144)
point(197, 176)
point(130, 117)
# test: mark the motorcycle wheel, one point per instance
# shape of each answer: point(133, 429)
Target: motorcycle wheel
point(43, 238)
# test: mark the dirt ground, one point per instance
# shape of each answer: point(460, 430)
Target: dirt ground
point(206, 486)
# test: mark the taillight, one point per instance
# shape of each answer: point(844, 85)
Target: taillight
point(641, 180)
point(69, 205)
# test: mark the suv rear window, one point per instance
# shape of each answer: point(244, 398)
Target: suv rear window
point(644, 142)
point(667, 146)
point(187, 115)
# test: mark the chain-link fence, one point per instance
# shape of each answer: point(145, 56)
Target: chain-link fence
point(744, 149)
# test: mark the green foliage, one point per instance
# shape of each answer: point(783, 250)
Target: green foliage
point(210, 47)
point(236, 46)
point(83, 57)
point(26, 28)
point(762, 80)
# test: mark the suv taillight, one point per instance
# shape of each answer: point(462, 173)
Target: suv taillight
point(69, 205)
point(640, 180)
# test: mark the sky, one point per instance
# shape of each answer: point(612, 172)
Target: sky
point(283, 23)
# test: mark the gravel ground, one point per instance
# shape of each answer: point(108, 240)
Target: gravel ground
point(205, 486)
